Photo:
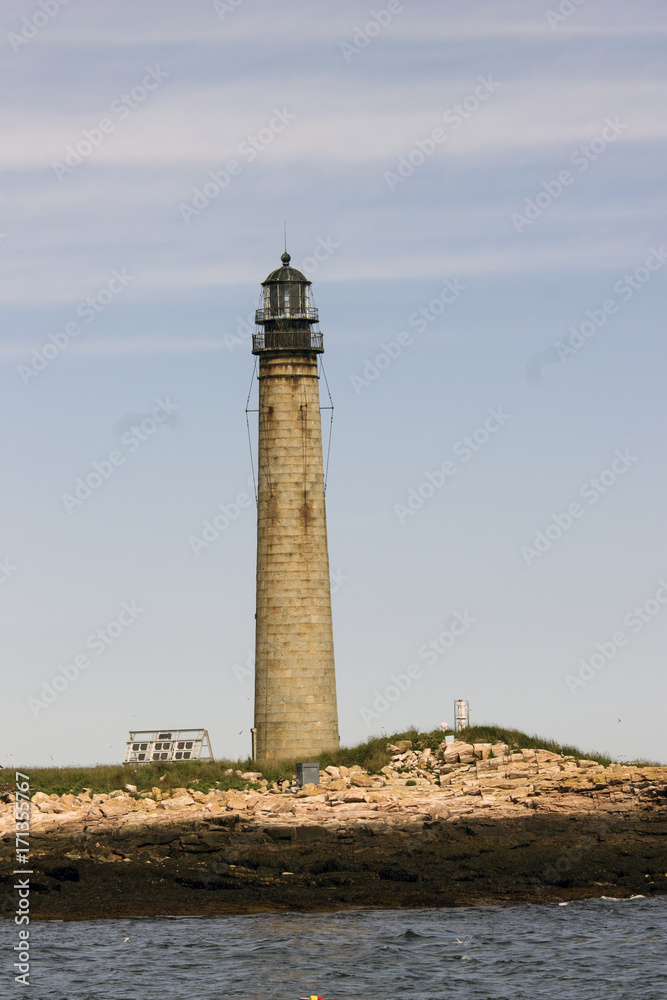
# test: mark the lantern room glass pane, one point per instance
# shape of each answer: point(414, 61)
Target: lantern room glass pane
point(288, 298)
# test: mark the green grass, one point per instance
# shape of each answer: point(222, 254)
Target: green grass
point(204, 775)
point(201, 775)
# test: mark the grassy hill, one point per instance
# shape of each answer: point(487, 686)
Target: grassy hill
point(203, 775)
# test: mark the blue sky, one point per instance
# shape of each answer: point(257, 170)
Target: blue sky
point(476, 191)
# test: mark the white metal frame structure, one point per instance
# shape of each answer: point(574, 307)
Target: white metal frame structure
point(461, 715)
point(147, 745)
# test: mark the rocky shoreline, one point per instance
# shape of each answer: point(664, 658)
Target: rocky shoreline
point(474, 824)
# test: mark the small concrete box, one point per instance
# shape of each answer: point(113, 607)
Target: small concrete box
point(307, 773)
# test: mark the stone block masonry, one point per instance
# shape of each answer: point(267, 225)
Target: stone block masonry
point(295, 689)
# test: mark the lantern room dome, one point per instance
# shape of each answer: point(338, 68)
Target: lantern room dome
point(286, 273)
point(287, 313)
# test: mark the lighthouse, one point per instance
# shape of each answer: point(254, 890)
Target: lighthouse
point(295, 685)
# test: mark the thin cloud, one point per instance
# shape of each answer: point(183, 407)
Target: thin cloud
point(15, 351)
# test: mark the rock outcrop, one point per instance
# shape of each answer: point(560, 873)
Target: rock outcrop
point(458, 825)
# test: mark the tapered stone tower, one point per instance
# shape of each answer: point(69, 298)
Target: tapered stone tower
point(295, 683)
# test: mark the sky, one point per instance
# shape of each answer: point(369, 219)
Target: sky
point(476, 192)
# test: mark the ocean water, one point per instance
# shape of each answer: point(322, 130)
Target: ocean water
point(603, 949)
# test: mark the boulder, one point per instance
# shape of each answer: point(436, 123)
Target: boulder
point(403, 745)
point(340, 784)
point(46, 806)
point(283, 806)
point(361, 781)
point(251, 776)
point(482, 750)
point(499, 749)
point(309, 789)
point(112, 808)
point(235, 800)
point(353, 796)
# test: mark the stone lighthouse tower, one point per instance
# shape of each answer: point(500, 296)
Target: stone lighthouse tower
point(295, 684)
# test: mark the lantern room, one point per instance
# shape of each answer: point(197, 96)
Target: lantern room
point(287, 314)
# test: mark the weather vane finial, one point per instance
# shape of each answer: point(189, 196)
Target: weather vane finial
point(285, 258)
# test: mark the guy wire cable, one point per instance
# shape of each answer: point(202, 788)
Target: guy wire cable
point(326, 382)
point(247, 420)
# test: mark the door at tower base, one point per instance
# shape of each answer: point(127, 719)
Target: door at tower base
point(295, 685)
